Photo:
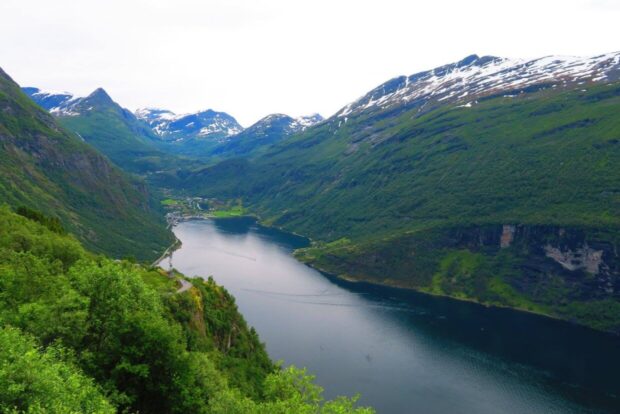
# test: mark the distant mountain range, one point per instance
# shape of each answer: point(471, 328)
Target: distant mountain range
point(217, 133)
point(266, 132)
point(137, 141)
point(106, 125)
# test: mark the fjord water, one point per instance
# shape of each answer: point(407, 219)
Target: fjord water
point(404, 352)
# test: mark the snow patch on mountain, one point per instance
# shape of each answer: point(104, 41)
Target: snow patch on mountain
point(57, 103)
point(204, 124)
point(307, 121)
point(476, 76)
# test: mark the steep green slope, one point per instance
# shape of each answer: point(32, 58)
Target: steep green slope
point(409, 190)
point(83, 333)
point(43, 166)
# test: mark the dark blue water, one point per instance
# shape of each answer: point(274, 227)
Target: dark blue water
point(404, 352)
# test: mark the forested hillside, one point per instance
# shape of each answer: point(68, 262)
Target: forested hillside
point(45, 167)
point(83, 333)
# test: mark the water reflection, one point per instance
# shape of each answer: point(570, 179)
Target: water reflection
point(404, 352)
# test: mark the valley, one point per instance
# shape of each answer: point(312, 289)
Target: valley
point(414, 184)
point(416, 194)
point(459, 253)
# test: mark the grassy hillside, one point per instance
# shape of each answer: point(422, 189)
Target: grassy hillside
point(548, 158)
point(47, 168)
point(83, 333)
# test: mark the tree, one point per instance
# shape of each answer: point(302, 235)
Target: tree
point(37, 381)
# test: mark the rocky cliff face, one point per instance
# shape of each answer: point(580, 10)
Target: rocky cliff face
point(568, 272)
point(582, 257)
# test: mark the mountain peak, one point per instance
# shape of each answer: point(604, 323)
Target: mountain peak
point(476, 60)
point(101, 95)
point(5, 75)
point(275, 117)
point(468, 60)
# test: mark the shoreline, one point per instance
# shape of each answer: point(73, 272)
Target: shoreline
point(350, 279)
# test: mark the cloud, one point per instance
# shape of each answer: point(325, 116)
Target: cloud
point(255, 57)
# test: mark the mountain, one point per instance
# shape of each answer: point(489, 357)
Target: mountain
point(113, 130)
point(488, 179)
point(209, 133)
point(267, 131)
point(475, 78)
point(190, 134)
point(45, 167)
point(52, 101)
point(207, 124)
point(307, 121)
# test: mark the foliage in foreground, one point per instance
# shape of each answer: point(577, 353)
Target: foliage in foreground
point(85, 334)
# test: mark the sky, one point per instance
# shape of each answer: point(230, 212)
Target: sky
point(251, 58)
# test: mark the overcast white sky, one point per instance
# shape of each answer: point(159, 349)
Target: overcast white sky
point(254, 57)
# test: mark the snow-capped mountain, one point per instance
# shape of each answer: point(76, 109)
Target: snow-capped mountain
point(283, 123)
point(267, 131)
point(207, 124)
point(65, 104)
point(103, 123)
point(475, 77)
point(57, 103)
point(48, 99)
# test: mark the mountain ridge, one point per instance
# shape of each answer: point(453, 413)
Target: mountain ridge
point(206, 124)
point(475, 77)
point(266, 132)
